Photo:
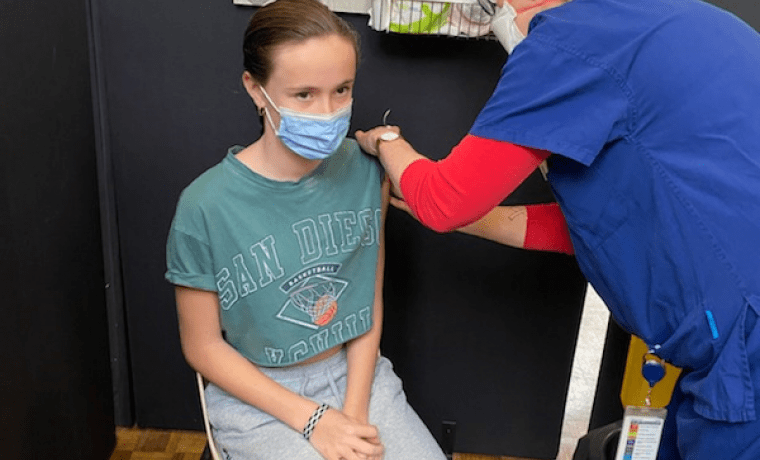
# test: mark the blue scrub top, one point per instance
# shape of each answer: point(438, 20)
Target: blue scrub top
point(652, 111)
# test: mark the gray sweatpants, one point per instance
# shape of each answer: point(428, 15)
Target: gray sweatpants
point(243, 432)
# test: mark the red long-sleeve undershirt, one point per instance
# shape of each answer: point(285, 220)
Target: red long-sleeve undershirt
point(474, 178)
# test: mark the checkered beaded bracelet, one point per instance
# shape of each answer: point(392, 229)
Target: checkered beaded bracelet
point(318, 413)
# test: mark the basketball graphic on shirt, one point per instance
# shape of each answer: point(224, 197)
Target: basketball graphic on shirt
point(327, 306)
point(318, 300)
point(313, 302)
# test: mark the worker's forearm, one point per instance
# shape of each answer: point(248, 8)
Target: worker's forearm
point(503, 224)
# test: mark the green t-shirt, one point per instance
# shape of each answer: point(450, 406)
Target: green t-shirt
point(293, 263)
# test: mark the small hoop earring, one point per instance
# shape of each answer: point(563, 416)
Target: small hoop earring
point(261, 111)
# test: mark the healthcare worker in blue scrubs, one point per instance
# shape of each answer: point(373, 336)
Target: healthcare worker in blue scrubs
point(647, 113)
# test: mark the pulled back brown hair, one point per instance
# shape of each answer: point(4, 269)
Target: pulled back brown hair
point(287, 21)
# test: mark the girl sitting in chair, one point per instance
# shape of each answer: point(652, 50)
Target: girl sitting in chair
point(280, 246)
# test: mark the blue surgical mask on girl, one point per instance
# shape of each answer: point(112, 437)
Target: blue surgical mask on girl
point(311, 135)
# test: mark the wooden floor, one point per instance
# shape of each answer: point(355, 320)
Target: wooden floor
point(147, 444)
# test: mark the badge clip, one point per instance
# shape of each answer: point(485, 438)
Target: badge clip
point(642, 426)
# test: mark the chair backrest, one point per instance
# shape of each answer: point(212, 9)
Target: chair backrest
point(209, 436)
point(600, 443)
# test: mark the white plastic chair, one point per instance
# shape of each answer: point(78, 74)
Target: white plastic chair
point(210, 438)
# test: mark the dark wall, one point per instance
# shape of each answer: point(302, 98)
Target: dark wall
point(748, 11)
point(56, 386)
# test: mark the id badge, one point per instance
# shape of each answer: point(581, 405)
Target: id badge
point(641, 433)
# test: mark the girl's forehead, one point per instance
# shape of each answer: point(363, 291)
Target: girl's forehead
point(329, 59)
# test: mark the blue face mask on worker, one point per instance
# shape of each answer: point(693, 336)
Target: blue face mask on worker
point(311, 135)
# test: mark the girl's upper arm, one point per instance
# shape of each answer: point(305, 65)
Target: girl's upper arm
point(198, 315)
point(379, 275)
